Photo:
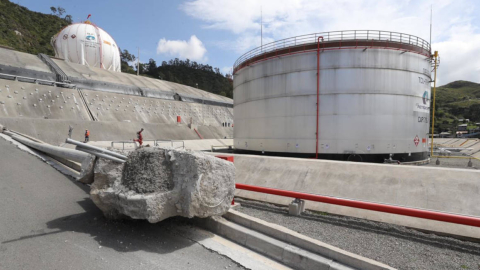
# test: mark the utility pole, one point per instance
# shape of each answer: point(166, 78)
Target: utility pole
point(138, 61)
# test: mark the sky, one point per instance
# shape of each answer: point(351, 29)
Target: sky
point(217, 32)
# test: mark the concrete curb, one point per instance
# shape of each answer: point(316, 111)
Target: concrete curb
point(308, 244)
point(282, 252)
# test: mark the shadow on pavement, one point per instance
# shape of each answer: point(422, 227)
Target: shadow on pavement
point(122, 235)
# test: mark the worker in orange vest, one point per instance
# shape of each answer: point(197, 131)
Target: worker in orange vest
point(139, 137)
point(87, 135)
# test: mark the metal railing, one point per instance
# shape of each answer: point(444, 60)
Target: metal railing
point(349, 35)
point(385, 208)
point(157, 143)
point(373, 206)
point(35, 80)
point(122, 142)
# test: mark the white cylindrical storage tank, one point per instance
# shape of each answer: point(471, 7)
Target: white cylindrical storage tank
point(87, 44)
point(373, 92)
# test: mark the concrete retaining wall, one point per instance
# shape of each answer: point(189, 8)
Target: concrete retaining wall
point(118, 107)
point(439, 189)
point(55, 131)
point(77, 71)
point(28, 100)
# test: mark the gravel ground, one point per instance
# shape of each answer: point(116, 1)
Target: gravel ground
point(393, 245)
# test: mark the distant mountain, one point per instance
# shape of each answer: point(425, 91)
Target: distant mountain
point(457, 100)
point(29, 31)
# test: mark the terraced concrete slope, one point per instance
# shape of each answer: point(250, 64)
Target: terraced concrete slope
point(112, 105)
point(96, 78)
point(119, 107)
point(27, 100)
point(23, 64)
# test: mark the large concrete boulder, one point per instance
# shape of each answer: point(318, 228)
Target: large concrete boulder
point(157, 183)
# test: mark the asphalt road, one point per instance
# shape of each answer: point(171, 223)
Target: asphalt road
point(47, 221)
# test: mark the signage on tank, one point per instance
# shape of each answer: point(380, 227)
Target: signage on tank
point(90, 40)
point(424, 105)
point(416, 140)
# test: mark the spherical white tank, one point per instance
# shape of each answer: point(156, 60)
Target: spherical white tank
point(87, 44)
point(373, 92)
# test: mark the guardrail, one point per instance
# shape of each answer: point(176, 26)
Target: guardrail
point(170, 141)
point(35, 80)
point(340, 36)
point(392, 209)
point(155, 143)
point(385, 208)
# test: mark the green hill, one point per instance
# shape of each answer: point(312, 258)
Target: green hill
point(457, 100)
point(28, 31)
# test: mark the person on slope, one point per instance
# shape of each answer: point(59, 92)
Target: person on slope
point(87, 135)
point(139, 137)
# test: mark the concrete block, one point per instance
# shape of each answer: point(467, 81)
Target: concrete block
point(296, 207)
point(156, 184)
point(293, 209)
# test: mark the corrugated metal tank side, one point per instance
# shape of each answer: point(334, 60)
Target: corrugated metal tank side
point(368, 103)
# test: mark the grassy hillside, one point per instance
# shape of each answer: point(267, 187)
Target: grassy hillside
point(457, 100)
point(34, 29)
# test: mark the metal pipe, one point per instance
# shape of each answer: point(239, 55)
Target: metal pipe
point(318, 92)
point(94, 148)
point(433, 109)
point(56, 151)
point(398, 210)
point(102, 155)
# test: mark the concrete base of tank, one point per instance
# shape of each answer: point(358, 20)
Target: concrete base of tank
point(412, 158)
point(156, 184)
point(437, 189)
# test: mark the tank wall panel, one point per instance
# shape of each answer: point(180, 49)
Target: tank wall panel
point(370, 102)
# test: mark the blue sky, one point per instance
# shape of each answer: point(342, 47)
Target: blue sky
point(142, 24)
point(217, 32)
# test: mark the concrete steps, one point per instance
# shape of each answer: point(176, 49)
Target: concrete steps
point(285, 246)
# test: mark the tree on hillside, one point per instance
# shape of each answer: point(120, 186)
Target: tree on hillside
point(68, 19)
point(125, 59)
point(185, 72)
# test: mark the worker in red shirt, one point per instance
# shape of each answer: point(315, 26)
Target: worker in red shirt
point(139, 137)
point(87, 135)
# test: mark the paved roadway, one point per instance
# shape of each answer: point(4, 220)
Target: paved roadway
point(48, 222)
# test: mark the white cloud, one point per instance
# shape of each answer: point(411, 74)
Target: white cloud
point(227, 70)
point(454, 35)
point(192, 49)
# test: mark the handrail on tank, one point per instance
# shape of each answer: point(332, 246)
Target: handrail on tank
point(392, 209)
point(347, 35)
